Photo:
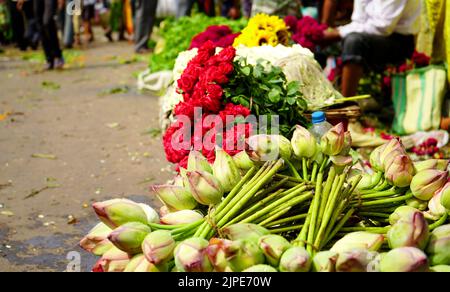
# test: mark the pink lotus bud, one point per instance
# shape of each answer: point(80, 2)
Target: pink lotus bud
point(436, 209)
point(412, 232)
point(440, 269)
point(119, 211)
point(260, 269)
point(158, 247)
point(356, 260)
point(245, 231)
point(269, 147)
point(139, 264)
point(198, 162)
point(445, 196)
point(347, 144)
point(129, 237)
point(217, 254)
point(325, 261)
point(375, 160)
point(190, 256)
point(359, 240)
point(425, 183)
point(393, 149)
point(114, 260)
point(181, 217)
point(400, 172)
point(332, 143)
point(243, 254)
point(404, 259)
point(226, 171)
point(303, 143)
point(96, 241)
point(205, 188)
point(273, 246)
point(417, 204)
point(405, 213)
point(175, 198)
point(243, 161)
point(438, 248)
point(152, 215)
point(295, 259)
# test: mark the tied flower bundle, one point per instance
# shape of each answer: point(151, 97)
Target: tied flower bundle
point(221, 35)
point(201, 86)
point(306, 31)
point(302, 210)
point(263, 29)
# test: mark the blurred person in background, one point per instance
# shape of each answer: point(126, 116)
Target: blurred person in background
point(381, 32)
point(246, 8)
point(204, 6)
point(280, 8)
point(87, 16)
point(145, 20)
point(45, 12)
point(230, 8)
point(24, 24)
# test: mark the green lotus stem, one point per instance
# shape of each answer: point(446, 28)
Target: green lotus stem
point(379, 230)
point(338, 227)
point(326, 193)
point(382, 187)
point(329, 210)
point(378, 177)
point(387, 193)
point(276, 204)
point(293, 171)
point(374, 214)
point(305, 168)
point(301, 239)
point(315, 205)
point(275, 216)
point(156, 226)
point(353, 98)
point(188, 227)
point(248, 193)
point(287, 220)
point(384, 201)
point(263, 193)
point(438, 223)
point(314, 172)
point(255, 207)
point(286, 229)
point(290, 178)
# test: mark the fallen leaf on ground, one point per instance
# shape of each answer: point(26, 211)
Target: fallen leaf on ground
point(36, 192)
point(153, 132)
point(113, 125)
point(44, 156)
point(51, 85)
point(115, 90)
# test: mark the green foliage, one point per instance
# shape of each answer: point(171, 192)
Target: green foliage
point(178, 35)
point(264, 89)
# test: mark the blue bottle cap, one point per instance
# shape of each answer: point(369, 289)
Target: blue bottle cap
point(318, 117)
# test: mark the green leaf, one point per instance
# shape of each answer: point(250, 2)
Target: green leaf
point(274, 95)
point(246, 71)
point(293, 87)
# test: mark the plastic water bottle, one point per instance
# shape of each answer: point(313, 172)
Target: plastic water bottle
point(320, 125)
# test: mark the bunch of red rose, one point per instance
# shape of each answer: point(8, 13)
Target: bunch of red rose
point(221, 35)
point(418, 60)
point(429, 147)
point(306, 31)
point(201, 85)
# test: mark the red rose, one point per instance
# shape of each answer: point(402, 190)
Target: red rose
point(214, 91)
point(226, 68)
point(186, 83)
point(291, 22)
point(176, 146)
point(227, 55)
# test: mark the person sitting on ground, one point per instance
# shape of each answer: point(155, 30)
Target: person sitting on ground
point(381, 32)
point(280, 8)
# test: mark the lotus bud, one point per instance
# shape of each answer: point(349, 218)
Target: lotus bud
point(341, 162)
point(393, 149)
point(269, 147)
point(119, 211)
point(243, 254)
point(139, 264)
point(375, 161)
point(359, 240)
point(438, 248)
point(440, 269)
point(332, 143)
point(179, 181)
point(356, 260)
point(226, 171)
point(303, 143)
point(243, 161)
point(295, 259)
point(403, 213)
point(425, 183)
point(129, 237)
point(158, 247)
point(318, 157)
point(152, 215)
point(435, 207)
point(114, 260)
point(445, 196)
point(245, 231)
point(175, 198)
point(181, 217)
point(410, 231)
point(163, 211)
point(404, 259)
point(437, 164)
point(400, 172)
point(273, 247)
point(260, 269)
point(96, 242)
point(217, 253)
point(325, 261)
point(365, 182)
point(198, 162)
point(205, 188)
point(347, 144)
point(190, 256)
point(417, 204)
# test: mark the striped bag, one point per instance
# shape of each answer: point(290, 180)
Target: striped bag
point(418, 97)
